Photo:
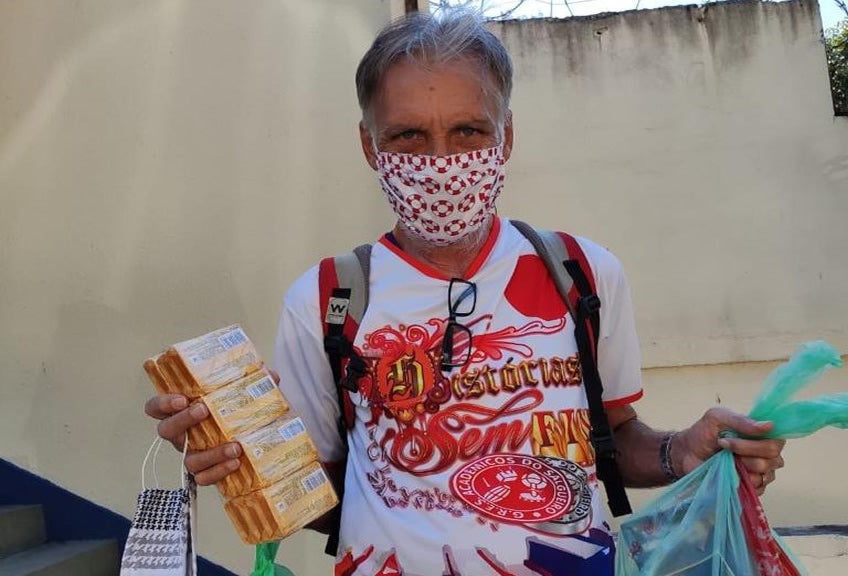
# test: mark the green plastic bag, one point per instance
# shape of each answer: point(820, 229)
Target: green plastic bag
point(264, 564)
point(801, 417)
point(711, 522)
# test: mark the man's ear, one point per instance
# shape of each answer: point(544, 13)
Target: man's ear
point(507, 140)
point(367, 145)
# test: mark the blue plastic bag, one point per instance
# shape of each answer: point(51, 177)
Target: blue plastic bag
point(711, 523)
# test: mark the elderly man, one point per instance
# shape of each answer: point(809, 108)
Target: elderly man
point(453, 475)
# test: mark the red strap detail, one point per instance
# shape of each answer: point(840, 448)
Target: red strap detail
point(769, 556)
point(575, 252)
point(327, 282)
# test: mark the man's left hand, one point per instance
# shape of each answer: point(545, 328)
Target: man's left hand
point(761, 458)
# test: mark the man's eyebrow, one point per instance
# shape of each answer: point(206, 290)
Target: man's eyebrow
point(475, 121)
point(401, 127)
point(394, 128)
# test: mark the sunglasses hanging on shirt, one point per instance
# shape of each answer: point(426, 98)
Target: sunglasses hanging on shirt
point(456, 344)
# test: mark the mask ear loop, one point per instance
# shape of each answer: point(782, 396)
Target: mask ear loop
point(154, 449)
point(183, 471)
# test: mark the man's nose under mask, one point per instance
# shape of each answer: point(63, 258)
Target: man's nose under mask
point(442, 199)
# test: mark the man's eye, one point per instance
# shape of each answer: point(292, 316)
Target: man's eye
point(468, 131)
point(408, 134)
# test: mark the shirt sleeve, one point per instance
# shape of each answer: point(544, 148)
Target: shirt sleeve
point(306, 379)
point(619, 358)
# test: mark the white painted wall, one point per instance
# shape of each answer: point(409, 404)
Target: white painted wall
point(165, 168)
point(700, 145)
point(170, 167)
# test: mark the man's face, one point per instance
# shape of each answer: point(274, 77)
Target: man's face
point(436, 110)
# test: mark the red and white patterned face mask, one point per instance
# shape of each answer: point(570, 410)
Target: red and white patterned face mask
point(442, 199)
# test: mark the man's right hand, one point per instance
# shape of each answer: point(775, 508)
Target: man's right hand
point(175, 417)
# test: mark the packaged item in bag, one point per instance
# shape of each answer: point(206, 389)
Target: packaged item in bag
point(711, 522)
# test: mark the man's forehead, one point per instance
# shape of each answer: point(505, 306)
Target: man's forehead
point(462, 81)
point(420, 69)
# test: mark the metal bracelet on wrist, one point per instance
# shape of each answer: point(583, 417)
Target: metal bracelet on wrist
point(665, 458)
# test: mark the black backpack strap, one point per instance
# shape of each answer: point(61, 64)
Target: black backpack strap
point(588, 317)
point(335, 343)
point(345, 279)
point(566, 264)
point(343, 293)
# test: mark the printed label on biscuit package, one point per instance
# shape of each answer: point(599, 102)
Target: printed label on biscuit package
point(315, 480)
point(219, 357)
point(283, 464)
point(279, 449)
point(306, 495)
point(287, 490)
point(261, 388)
point(250, 402)
point(292, 429)
point(198, 350)
point(232, 338)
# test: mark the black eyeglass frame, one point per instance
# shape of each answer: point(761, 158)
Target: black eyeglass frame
point(468, 289)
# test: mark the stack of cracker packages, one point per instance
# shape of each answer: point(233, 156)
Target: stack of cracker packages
point(280, 486)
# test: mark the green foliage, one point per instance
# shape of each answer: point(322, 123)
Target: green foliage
point(836, 48)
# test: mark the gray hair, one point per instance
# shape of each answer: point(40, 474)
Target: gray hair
point(431, 39)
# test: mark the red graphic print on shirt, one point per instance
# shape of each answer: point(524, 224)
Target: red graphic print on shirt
point(532, 291)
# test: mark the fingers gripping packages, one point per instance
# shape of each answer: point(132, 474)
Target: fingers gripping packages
point(279, 486)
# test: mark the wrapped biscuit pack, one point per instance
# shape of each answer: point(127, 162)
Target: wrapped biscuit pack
point(236, 408)
point(270, 454)
point(198, 366)
point(279, 486)
point(283, 508)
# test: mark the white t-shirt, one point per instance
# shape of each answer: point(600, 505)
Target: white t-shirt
point(484, 469)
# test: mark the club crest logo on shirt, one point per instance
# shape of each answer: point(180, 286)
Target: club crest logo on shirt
point(404, 382)
point(514, 489)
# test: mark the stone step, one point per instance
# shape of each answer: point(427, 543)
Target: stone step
point(21, 527)
point(73, 558)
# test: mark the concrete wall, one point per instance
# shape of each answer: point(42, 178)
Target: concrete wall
point(170, 167)
point(700, 145)
point(165, 168)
